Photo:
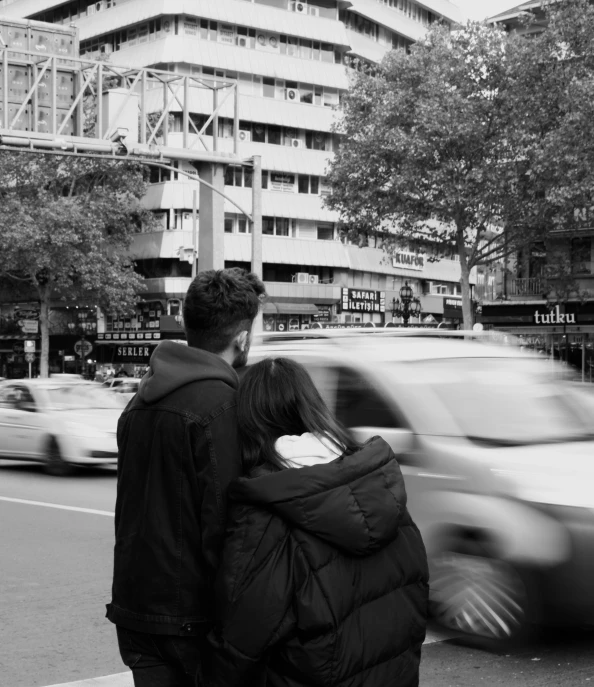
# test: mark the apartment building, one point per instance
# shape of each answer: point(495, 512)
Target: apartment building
point(291, 60)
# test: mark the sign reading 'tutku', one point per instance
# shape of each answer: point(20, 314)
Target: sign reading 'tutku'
point(554, 316)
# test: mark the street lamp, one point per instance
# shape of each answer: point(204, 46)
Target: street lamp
point(83, 327)
point(407, 305)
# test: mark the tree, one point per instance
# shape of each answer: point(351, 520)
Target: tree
point(431, 152)
point(65, 228)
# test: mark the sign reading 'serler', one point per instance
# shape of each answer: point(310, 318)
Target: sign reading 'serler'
point(133, 354)
point(360, 300)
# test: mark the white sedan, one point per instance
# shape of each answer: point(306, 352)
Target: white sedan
point(59, 423)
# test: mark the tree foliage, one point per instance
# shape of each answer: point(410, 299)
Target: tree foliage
point(65, 228)
point(471, 141)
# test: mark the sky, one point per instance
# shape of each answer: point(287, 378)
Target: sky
point(480, 9)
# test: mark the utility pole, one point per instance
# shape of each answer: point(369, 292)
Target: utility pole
point(195, 232)
point(257, 229)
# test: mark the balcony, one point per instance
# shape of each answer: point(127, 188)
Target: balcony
point(530, 286)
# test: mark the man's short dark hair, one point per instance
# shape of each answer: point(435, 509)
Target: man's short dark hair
point(220, 304)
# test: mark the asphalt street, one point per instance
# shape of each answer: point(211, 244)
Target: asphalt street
point(56, 575)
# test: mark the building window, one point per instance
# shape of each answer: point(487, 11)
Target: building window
point(581, 256)
point(325, 232)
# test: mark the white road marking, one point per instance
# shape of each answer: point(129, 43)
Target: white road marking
point(91, 511)
point(125, 679)
point(118, 680)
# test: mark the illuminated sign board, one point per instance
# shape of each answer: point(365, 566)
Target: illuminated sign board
point(359, 300)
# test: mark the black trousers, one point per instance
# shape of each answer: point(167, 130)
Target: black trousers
point(162, 660)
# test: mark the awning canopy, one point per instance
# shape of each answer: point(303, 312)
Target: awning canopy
point(271, 308)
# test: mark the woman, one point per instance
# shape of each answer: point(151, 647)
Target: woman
point(323, 579)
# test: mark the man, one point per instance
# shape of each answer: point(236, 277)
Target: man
point(178, 452)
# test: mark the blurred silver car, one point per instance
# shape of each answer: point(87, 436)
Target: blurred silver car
point(497, 453)
point(59, 423)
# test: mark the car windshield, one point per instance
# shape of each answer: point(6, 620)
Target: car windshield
point(506, 401)
point(81, 397)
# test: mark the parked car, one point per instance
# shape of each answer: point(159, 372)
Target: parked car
point(497, 453)
point(60, 423)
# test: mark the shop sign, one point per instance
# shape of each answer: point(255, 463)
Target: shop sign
point(83, 348)
point(344, 325)
point(324, 314)
point(554, 316)
point(282, 182)
point(133, 354)
point(358, 300)
point(452, 307)
point(408, 261)
point(29, 326)
point(26, 314)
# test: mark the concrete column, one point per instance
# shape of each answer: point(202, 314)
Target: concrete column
point(211, 254)
point(257, 230)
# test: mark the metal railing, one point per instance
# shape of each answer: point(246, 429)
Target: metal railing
point(530, 286)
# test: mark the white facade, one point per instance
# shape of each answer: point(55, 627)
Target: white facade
point(290, 59)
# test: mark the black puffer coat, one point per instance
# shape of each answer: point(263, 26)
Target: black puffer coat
point(323, 579)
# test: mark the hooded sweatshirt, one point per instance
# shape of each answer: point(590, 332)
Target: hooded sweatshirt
point(324, 575)
point(178, 452)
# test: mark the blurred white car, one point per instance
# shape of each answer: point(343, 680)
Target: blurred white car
point(59, 423)
point(497, 453)
point(125, 386)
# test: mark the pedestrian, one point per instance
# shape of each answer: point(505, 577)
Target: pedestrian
point(178, 452)
point(323, 579)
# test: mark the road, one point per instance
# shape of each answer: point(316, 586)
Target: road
point(56, 574)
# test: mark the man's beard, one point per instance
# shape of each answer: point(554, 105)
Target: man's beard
point(242, 357)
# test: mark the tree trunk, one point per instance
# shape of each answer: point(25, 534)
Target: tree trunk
point(44, 329)
point(466, 298)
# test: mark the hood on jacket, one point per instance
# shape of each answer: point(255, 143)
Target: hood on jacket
point(174, 365)
point(354, 503)
point(307, 449)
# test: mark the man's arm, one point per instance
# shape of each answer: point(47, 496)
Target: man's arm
point(224, 466)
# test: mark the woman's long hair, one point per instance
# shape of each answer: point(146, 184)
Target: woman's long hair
point(277, 397)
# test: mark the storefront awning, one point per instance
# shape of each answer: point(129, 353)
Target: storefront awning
point(290, 309)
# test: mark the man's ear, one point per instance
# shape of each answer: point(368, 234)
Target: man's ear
point(241, 340)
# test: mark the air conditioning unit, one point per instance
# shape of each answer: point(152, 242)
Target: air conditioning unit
point(296, 143)
point(245, 135)
point(303, 277)
point(98, 6)
point(313, 11)
point(106, 49)
point(313, 278)
point(300, 7)
point(91, 9)
point(242, 42)
point(293, 95)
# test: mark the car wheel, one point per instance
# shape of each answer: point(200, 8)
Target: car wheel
point(54, 462)
point(483, 598)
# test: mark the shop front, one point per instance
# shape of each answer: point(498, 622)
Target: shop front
point(287, 316)
point(564, 331)
point(129, 352)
